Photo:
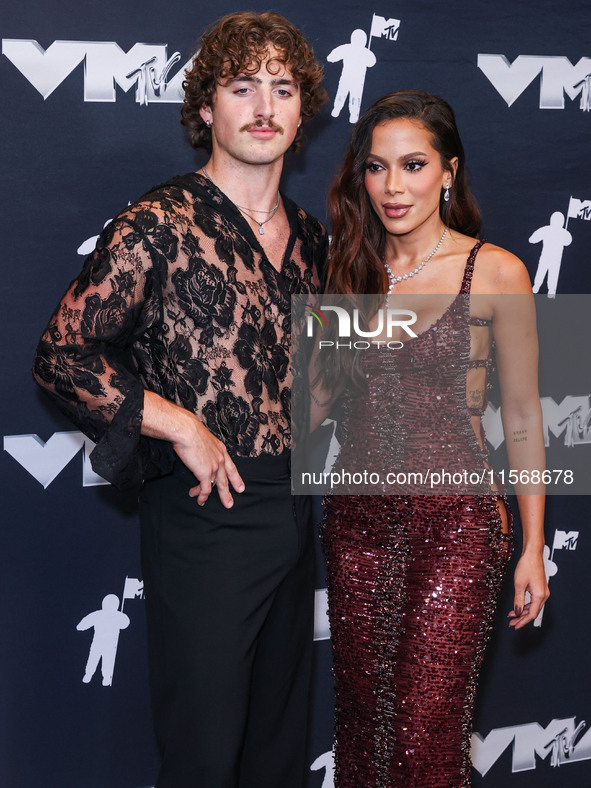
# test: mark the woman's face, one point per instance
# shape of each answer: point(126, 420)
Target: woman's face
point(404, 176)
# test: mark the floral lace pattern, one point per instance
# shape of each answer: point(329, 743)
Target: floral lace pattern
point(179, 298)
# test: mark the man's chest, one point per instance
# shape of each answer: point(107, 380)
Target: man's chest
point(275, 242)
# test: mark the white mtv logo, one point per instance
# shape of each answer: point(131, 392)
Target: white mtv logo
point(559, 76)
point(561, 739)
point(46, 460)
point(105, 65)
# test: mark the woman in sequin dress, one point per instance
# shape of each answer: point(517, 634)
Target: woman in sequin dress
point(413, 578)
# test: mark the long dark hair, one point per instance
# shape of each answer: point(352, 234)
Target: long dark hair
point(358, 235)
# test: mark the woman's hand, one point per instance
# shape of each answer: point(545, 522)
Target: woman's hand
point(529, 576)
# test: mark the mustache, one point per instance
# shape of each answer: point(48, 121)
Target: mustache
point(268, 124)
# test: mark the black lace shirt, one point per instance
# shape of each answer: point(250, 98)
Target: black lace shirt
point(179, 298)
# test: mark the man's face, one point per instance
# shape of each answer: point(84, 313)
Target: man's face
point(255, 117)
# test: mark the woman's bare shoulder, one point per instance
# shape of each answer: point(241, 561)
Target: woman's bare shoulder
point(498, 271)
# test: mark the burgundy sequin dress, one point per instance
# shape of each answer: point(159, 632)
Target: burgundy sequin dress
point(413, 579)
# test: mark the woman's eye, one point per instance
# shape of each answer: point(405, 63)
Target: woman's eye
point(413, 166)
point(373, 166)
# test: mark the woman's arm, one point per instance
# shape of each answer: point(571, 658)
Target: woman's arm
point(514, 327)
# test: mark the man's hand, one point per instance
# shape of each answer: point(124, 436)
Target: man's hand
point(209, 461)
point(203, 454)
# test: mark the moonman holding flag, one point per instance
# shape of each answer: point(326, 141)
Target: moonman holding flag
point(357, 58)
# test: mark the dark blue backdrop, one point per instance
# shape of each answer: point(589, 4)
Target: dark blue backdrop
point(72, 160)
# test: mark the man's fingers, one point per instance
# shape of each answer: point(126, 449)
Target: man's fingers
point(233, 476)
point(228, 474)
point(218, 470)
point(204, 491)
point(221, 477)
point(203, 488)
point(224, 489)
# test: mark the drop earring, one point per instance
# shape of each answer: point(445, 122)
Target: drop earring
point(446, 193)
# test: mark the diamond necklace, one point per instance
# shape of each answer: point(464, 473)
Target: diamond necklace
point(273, 210)
point(395, 279)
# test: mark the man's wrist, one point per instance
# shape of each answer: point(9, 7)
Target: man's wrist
point(184, 427)
point(166, 420)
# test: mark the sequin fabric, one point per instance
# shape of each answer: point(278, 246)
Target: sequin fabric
point(413, 581)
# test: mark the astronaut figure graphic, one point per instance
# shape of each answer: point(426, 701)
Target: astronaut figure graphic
point(108, 623)
point(356, 60)
point(326, 762)
point(554, 238)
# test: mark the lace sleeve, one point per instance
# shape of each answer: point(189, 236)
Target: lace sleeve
point(85, 357)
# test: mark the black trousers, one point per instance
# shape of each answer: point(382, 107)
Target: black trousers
point(229, 600)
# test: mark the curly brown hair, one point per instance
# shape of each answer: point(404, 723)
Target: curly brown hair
point(237, 44)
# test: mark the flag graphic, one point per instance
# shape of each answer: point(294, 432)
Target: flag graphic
point(565, 540)
point(579, 209)
point(133, 588)
point(384, 28)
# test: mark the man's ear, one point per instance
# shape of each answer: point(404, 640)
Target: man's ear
point(206, 114)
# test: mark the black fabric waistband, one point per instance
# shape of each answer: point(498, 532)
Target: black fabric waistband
point(265, 466)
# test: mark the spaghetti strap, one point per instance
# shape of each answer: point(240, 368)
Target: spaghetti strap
point(469, 269)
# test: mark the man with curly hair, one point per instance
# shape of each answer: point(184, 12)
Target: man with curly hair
point(171, 351)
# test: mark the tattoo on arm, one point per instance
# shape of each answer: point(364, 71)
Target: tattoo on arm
point(315, 399)
point(519, 436)
point(475, 398)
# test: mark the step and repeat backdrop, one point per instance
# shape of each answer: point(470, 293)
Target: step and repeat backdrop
point(90, 110)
